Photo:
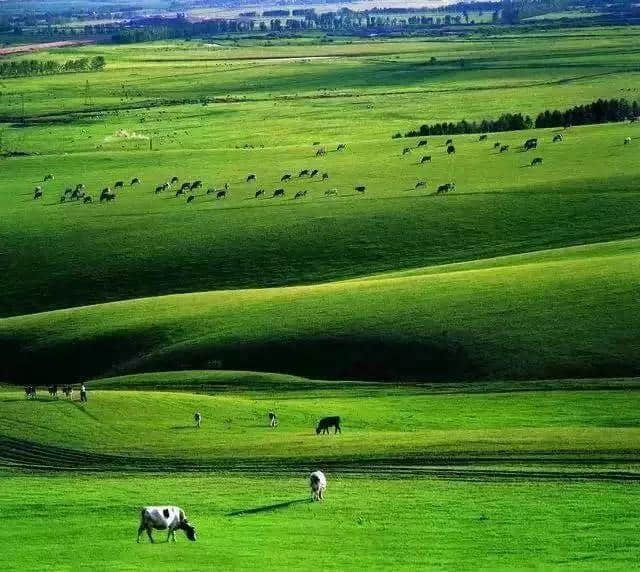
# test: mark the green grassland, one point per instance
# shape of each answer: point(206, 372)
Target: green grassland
point(480, 346)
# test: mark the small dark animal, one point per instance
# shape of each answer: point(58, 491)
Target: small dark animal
point(530, 144)
point(278, 193)
point(325, 176)
point(221, 194)
point(179, 192)
point(174, 179)
point(87, 199)
point(303, 173)
point(331, 193)
point(406, 150)
point(191, 198)
point(134, 181)
point(251, 177)
point(496, 145)
point(326, 423)
point(68, 391)
point(482, 138)
point(285, 177)
point(227, 186)
point(313, 173)
point(53, 391)
point(504, 148)
point(446, 188)
point(118, 185)
point(536, 161)
point(425, 159)
point(420, 184)
point(360, 188)
point(159, 189)
point(320, 152)
point(449, 142)
point(48, 177)
point(195, 185)
point(259, 193)
point(451, 150)
point(300, 194)
point(341, 147)
point(37, 193)
point(557, 137)
point(422, 142)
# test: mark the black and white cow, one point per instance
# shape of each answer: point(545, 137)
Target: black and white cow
point(318, 484)
point(169, 518)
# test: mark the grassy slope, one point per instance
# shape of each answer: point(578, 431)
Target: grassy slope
point(163, 247)
point(378, 423)
point(401, 524)
point(537, 316)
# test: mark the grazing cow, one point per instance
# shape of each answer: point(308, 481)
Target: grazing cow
point(68, 391)
point(300, 194)
point(30, 392)
point(119, 185)
point(273, 419)
point(425, 159)
point(259, 193)
point(331, 193)
point(87, 199)
point(406, 150)
point(326, 423)
point(504, 148)
point(48, 177)
point(420, 184)
point(69, 190)
point(360, 188)
point(530, 144)
point(227, 186)
point(179, 192)
point(195, 185)
point(627, 140)
point(109, 196)
point(303, 173)
point(37, 193)
point(174, 180)
point(53, 391)
point(166, 186)
point(446, 188)
point(422, 142)
point(536, 161)
point(191, 198)
point(251, 177)
point(169, 518)
point(449, 142)
point(221, 194)
point(63, 198)
point(320, 152)
point(134, 181)
point(278, 193)
point(185, 186)
point(482, 138)
point(285, 177)
point(325, 176)
point(557, 137)
point(159, 189)
point(496, 145)
point(451, 150)
point(313, 173)
point(341, 147)
point(318, 484)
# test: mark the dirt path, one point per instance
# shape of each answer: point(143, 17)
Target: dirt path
point(29, 48)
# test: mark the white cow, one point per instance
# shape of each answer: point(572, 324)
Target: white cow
point(318, 483)
point(627, 140)
point(170, 518)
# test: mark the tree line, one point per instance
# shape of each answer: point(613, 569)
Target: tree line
point(600, 111)
point(28, 68)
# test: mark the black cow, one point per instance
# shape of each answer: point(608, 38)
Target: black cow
point(320, 152)
point(300, 194)
point(251, 177)
point(530, 144)
point(53, 391)
point(313, 173)
point(451, 150)
point(185, 186)
point(449, 142)
point(37, 193)
point(425, 159)
point(285, 177)
point(326, 423)
point(446, 188)
point(159, 189)
point(406, 150)
point(536, 161)
point(482, 138)
point(221, 194)
point(504, 148)
point(259, 193)
point(361, 189)
point(557, 137)
point(195, 185)
point(422, 143)
point(341, 147)
point(496, 145)
point(325, 176)
point(174, 179)
point(278, 193)
point(303, 173)
point(87, 199)
point(191, 198)
point(135, 181)
point(119, 185)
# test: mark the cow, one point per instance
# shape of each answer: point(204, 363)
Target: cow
point(48, 177)
point(318, 484)
point(63, 198)
point(134, 181)
point(166, 186)
point(341, 147)
point(259, 193)
point(530, 144)
point(557, 137)
point(109, 196)
point(174, 180)
point(320, 152)
point(326, 423)
point(30, 392)
point(278, 193)
point(331, 193)
point(251, 177)
point(482, 138)
point(536, 161)
point(53, 391)
point(627, 140)
point(191, 198)
point(451, 150)
point(420, 184)
point(227, 186)
point(119, 185)
point(504, 148)
point(360, 188)
point(449, 142)
point(325, 176)
point(446, 188)
point(285, 177)
point(195, 185)
point(87, 199)
point(300, 194)
point(303, 173)
point(185, 186)
point(273, 419)
point(169, 518)
point(496, 145)
point(68, 391)
point(313, 173)
point(159, 189)
point(406, 150)
point(179, 192)
point(221, 194)
point(425, 159)
point(80, 187)
point(422, 143)
point(37, 193)
point(68, 191)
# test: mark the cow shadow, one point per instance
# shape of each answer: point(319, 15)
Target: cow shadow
point(182, 427)
point(269, 507)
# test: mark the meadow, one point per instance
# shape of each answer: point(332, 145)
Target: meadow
point(480, 345)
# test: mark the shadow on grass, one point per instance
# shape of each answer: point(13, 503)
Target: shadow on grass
point(180, 427)
point(269, 507)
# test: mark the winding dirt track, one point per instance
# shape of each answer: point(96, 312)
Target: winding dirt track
point(30, 456)
point(29, 48)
